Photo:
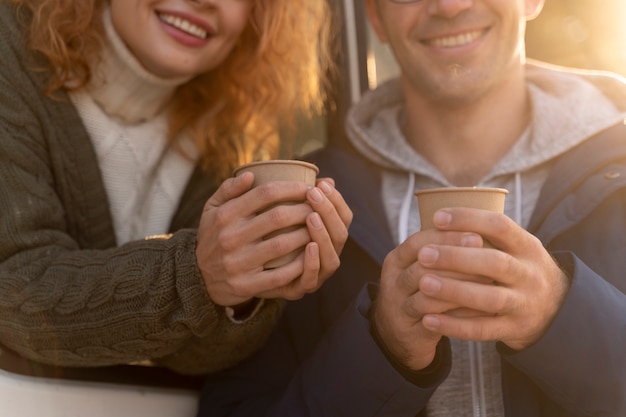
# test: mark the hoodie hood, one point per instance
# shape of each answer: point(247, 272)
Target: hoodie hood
point(594, 101)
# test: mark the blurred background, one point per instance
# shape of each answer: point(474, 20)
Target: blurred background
point(580, 33)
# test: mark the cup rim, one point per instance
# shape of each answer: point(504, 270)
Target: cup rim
point(457, 189)
point(277, 162)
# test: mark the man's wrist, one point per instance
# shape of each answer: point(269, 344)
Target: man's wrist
point(428, 376)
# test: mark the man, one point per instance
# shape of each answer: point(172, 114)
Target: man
point(535, 327)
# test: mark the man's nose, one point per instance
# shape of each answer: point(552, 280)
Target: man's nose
point(448, 8)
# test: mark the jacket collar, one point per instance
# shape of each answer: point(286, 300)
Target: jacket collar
point(598, 165)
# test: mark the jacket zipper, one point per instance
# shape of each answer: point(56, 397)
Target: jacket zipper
point(477, 379)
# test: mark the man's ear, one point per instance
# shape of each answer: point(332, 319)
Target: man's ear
point(533, 8)
point(373, 15)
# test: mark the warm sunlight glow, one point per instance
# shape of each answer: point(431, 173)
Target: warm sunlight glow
point(371, 70)
point(583, 33)
point(586, 34)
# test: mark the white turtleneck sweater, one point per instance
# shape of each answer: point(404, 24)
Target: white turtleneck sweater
point(124, 112)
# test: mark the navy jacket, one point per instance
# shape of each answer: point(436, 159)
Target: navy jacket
point(323, 361)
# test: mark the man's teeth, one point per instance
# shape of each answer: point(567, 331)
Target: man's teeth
point(454, 41)
point(184, 25)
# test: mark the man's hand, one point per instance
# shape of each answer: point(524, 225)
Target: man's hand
point(524, 290)
point(401, 305)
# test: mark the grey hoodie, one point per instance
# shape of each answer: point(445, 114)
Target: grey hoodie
point(568, 107)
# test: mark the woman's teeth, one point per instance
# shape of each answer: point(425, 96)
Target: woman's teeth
point(184, 25)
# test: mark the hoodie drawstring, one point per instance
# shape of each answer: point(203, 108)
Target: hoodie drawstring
point(405, 209)
point(518, 199)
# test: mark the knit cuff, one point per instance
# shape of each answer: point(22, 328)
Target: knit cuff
point(246, 313)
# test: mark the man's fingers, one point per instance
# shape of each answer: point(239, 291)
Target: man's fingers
point(406, 253)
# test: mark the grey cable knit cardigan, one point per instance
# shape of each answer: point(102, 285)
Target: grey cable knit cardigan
point(68, 295)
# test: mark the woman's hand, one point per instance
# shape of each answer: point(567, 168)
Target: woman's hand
point(231, 249)
point(328, 227)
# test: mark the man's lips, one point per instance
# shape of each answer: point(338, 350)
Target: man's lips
point(454, 41)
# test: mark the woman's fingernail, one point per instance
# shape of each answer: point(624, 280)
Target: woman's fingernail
point(316, 221)
point(313, 249)
point(325, 187)
point(241, 177)
point(316, 195)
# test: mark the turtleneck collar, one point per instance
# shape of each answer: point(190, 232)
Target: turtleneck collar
point(122, 87)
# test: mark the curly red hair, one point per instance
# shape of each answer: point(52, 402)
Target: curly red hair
point(278, 68)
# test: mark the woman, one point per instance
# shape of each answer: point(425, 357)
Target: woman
point(118, 120)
